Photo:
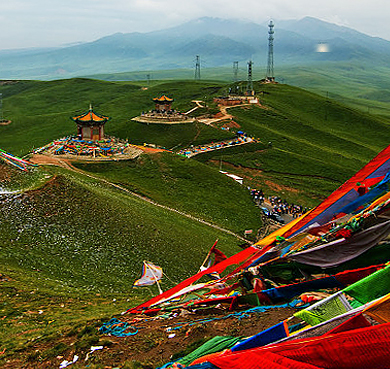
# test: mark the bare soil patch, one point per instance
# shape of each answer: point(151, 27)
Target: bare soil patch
point(155, 342)
point(231, 125)
point(5, 175)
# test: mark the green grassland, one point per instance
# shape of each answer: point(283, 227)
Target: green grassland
point(356, 84)
point(15, 180)
point(363, 87)
point(315, 143)
point(91, 235)
point(73, 243)
point(71, 248)
point(186, 185)
point(41, 111)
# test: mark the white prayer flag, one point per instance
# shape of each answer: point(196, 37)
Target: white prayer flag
point(150, 275)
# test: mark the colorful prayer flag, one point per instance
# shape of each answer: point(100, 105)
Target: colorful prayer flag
point(325, 309)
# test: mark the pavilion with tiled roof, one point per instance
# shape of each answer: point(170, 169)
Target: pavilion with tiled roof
point(163, 103)
point(163, 113)
point(90, 125)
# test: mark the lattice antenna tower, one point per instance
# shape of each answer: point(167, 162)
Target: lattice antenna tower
point(235, 71)
point(197, 68)
point(270, 64)
point(249, 86)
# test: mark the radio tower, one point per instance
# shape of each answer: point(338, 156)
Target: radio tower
point(270, 65)
point(197, 68)
point(249, 86)
point(235, 71)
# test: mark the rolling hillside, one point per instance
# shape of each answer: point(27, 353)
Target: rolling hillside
point(48, 229)
point(41, 111)
point(327, 140)
point(70, 249)
point(72, 243)
point(315, 143)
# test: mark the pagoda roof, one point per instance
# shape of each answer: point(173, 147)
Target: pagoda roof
point(163, 98)
point(91, 117)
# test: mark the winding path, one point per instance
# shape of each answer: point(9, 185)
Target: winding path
point(64, 163)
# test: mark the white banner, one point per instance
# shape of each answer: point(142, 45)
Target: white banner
point(150, 275)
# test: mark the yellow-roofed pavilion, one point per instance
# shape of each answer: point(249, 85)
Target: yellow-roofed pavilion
point(90, 125)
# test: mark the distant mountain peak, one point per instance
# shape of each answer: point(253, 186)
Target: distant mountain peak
point(220, 41)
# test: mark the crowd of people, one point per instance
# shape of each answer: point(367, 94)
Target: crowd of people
point(278, 205)
point(193, 150)
point(283, 207)
point(258, 196)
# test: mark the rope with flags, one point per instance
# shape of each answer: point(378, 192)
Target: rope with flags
point(15, 161)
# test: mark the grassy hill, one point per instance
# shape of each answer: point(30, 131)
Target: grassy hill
point(49, 229)
point(359, 85)
point(315, 143)
point(41, 111)
point(71, 244)
point(71, 248)
point(186, 185)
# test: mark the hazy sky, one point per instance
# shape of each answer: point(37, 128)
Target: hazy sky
point(36, 23)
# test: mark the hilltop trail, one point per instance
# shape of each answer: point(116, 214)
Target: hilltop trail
point(64, 163)
point(225, 115)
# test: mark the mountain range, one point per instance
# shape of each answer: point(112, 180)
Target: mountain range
point(218, 42)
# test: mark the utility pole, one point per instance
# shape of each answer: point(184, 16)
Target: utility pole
point(197, 68)
point(249, 86)
point(235, 71)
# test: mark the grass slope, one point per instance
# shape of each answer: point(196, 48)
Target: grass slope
point(41, 111)
point(186, 185)
point(362, 86)
point(71, 247)
point(316, 143)
point(86, 234)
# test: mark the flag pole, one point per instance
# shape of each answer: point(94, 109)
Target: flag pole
point(208, 255)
